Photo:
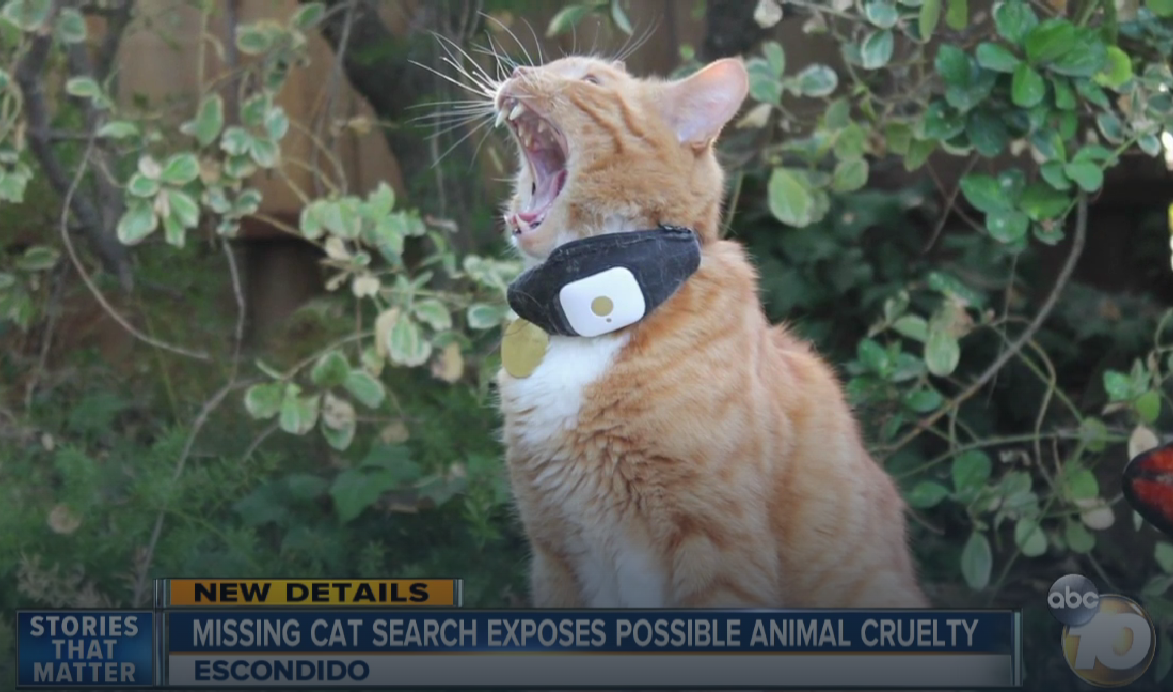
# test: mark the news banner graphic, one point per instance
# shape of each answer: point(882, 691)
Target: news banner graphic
point(281, 634)
point(1108, 640)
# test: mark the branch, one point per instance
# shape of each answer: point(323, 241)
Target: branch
point(1015, 346)
point(29, 75)
point(108, 195)
point(117, 20)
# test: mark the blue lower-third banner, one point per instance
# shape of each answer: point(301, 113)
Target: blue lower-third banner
point(85, 649)
point(928, 649)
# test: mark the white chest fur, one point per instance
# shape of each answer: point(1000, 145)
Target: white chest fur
point(553, 393)
point(615, 565)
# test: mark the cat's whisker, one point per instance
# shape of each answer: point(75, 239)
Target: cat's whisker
point(458, 142)
point(633, 44)
point(452, 80)
point(537, 41)
point(477, 81)
point(478, 75)
point(446, 117)
point(509, 31)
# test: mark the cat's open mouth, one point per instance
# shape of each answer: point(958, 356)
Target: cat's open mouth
point(545, 150)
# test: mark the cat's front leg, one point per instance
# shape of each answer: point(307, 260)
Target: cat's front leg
point(553, 583)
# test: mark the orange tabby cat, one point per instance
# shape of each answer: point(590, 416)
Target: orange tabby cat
point(700, 457)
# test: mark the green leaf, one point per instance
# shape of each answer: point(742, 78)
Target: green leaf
point(1087, 58)
point(763, 83)
point(924, 400)
point(252, 40)
point(619, 16)
point(789, 197)
point(953, 64)
point(264, 152)
point(1041, 201)
point(1053, 173)
point(28, 15)
point(83, 87)
point(977, 561)
point(308, 15)
point(913, 327)
point(1027, 88)
point(1163, 553)
point(140, 185)
point(877, 49)
point(997, 58)
point(849, 175)
point(339, 421)
point(381, 200)
point(483, 316)
point(118, 129)
point(1117, 385)
point(1050, 40)
point(942, 352)
point(1086, 174)
point(1007, 226)
point(1064, 94)
point(1014, 19)
point(775, 58)
point(354, 490)
point(872, 355)
point(180, 169)
point(926, 494)
point(927, 18)
point(1161, 8)
point(987, 132)
point(433, 313)
point(1079, 539)
point(1111, 127)
point(209, 121)
point(1148, 406)
point(1082, 483)
point(957, 14)
point(137, 222)
point(299, 414)
point(365, 388)
point(184, 209)
point(276, 123)
point(70, 27)
point(1029, 537)
point(984, 192)
point(38, 258)
point(236, 141)
point(1150, 144)
point(941, 122)
point(971, 471)
point(881, 13)
point(1117, 69)
point(817, 80)
point(567, 18)
point(406, 344)
point(263, 401)
point(330, 370)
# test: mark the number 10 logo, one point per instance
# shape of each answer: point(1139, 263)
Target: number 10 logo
point(1115, 647)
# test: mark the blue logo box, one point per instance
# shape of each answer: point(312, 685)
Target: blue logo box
point(61, 649)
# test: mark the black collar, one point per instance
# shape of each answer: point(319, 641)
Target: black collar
point(599, 284)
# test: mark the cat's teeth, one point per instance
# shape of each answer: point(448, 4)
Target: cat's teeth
point(541, 126)
point(500, 118)
point(516, 112)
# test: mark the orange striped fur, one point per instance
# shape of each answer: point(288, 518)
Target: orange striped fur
point(702, 457)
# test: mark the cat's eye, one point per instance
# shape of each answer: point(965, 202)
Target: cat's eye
point(590, 78)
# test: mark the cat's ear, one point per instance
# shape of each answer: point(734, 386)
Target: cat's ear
point(699, 105)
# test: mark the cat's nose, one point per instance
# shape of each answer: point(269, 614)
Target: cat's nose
point(519, 71)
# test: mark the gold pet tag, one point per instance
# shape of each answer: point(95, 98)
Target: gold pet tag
point(523, 348)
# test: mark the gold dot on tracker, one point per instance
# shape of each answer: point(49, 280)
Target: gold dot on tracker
point(523, 348)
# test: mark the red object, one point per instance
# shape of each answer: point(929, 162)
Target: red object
point(1148, 487)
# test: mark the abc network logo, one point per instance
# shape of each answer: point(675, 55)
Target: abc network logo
point(1108, 640)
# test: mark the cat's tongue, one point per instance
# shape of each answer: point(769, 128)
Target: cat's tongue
point(548, 188)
